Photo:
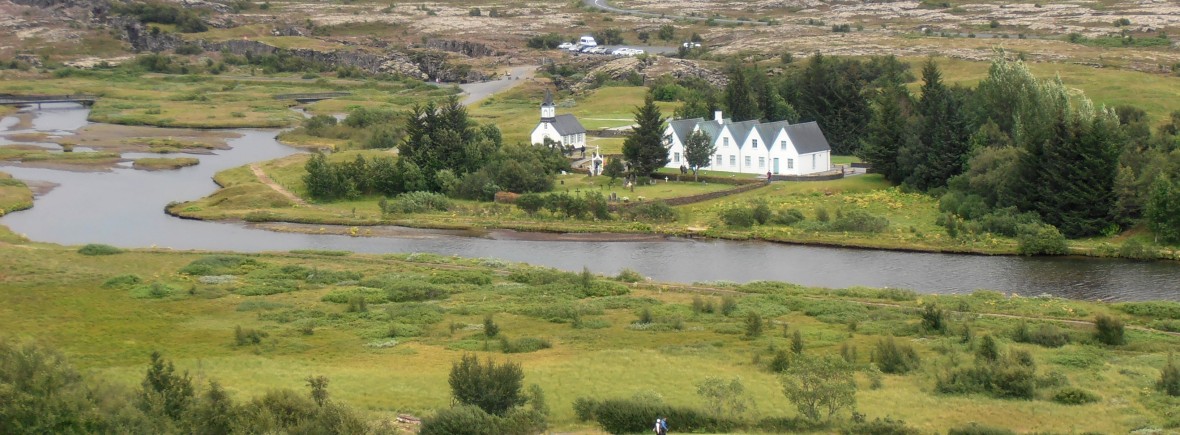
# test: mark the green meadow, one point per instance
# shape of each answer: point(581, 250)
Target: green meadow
point(385, 329)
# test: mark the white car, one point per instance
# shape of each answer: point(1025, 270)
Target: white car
point(637, 51)
point(624, 51)
point(598, 50)
point(565, 45)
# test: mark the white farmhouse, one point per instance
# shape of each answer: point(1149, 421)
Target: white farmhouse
point(563, 129)
point(753, 147)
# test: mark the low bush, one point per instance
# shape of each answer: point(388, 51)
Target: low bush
point(247, 336)
point(880, 426)
point(122, 281)
point(790, 216)
point(418, 202)
point(1040, 239)
point(415, 291)
point(1047, 335)
point(636, 416)
point(978, 429)
point(657, 211)
point(1109, 330)
point(1169, 382)
point(1154, 309)
point(628, 275)
point(524, 345)
point(860, 221)
point(99, 249)
point(155, 290)
point(1074, 396)
point(1011, 377)
point(895, 358)
point(220, 265)
point(738, 217)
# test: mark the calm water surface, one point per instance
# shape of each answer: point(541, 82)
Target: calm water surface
point(124, 208)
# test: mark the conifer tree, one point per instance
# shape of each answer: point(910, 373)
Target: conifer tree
point(888, 131)
point(739, 100)
point(1163, 210)
point(941, 149)
point(644, 148)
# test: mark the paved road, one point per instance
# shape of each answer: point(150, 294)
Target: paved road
point(602, 4)
point(474, 92)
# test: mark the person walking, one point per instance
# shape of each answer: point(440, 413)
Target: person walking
point(656, 429)
point(663, 425)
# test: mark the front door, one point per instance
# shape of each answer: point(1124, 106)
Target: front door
point(776, 165)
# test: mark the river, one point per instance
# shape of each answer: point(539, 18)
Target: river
point(124, 207)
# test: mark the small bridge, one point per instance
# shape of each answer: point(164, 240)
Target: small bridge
point(28, 100)
point(312, 97)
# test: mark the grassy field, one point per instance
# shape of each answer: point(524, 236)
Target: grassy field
point(1158, 95)
point(393, 357)
point(14, 195)
point(516, 112)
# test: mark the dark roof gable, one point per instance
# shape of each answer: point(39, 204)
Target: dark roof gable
point(567, 124)
point(808, 138)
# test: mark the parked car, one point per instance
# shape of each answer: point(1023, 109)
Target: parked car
point(598, 50)
point(586, 49)
point(623, 51)
point(587, 40)
point(565, 45)
point(691, 45)
point(637, 51)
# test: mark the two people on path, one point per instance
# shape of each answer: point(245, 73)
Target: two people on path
point(661, 427)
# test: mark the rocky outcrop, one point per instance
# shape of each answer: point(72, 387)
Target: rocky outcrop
point(649, 68)
point(466, 48)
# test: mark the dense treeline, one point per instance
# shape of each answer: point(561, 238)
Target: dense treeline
point(186, 20)
point(440, 150)
point(1019, 144)
point(40, 392)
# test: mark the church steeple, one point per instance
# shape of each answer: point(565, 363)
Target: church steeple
point(548, 109)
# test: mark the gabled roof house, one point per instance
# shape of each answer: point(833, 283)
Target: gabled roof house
point(753, 147)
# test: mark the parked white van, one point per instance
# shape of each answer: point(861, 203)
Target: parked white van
point(587, 41)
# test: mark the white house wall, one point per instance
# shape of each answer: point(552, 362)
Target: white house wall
point(733, 156)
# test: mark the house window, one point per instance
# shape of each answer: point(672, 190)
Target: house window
point(747, 160)
point(725, 141)
point(783, 145)
point(790, 163)
point(813, 161)
point(755, 143)
point(762, 162)
point(676, 157)
point(732, 160)
point(719, 160)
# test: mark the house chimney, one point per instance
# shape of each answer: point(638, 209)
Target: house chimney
point(717, 116)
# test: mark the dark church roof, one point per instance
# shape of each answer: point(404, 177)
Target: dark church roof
point(567, 125)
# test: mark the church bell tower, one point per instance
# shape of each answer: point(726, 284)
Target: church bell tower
point(548, 109)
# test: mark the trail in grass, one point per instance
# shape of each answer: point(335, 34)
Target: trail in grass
point(265, 179)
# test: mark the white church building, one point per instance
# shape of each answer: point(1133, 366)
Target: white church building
point(753, 147)
point(564, 129)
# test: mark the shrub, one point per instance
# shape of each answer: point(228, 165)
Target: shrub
point(1074, 396)
point(728, 305)
point(790, 216)
point(99, 249)
point(247, 336)
point(122, 281)
point(1047, 335)
point(1040, 239)
point(933, 318)
point(658, 211)
point(414, 291)
point(465, 419)
point(892, 357)
point(978, 429)
point(490, 328)
point(878, 426)
point(493, 388)
point(628, 275)
point(860, 221)
point(530, 203)
point(739, 217)
point(154, 290)
point(1109, 330)
point(635, 415)
point(1169, 381)
point(821, 214)
point(524, 345)
point(220, 265)
point(418, 202)
point(753, 325)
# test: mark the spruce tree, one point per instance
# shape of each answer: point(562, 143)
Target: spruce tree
point(739, 99)
point(644, 148)
point(941, 150)
point(1076, 191)
point(832, 92)
point(887, 132)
